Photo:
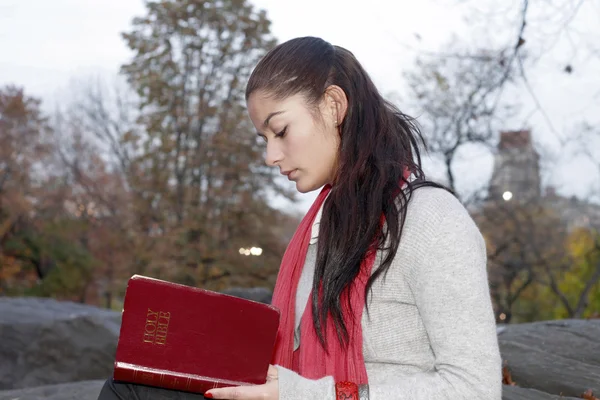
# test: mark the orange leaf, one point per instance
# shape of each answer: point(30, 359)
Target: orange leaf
point(507, 378)
point(589, 395)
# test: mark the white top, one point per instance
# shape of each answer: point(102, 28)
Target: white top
point(431, 332)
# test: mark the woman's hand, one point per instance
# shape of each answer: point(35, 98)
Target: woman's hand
point(268, 391)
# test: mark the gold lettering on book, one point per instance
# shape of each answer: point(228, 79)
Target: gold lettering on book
point(157, 327)
point(147, 377)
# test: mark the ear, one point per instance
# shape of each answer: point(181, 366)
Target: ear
point(336, 103)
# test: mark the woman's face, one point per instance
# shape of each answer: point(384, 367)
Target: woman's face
point(303, 145)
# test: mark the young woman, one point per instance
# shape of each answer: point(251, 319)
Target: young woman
point(383, 289)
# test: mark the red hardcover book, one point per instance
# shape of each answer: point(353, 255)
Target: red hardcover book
point(179, 337)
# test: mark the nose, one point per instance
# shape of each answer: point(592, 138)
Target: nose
point(274, 155)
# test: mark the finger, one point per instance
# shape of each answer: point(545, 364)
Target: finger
point(272, 373)
point(238, 393)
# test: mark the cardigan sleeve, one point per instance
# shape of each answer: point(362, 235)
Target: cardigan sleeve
point(451, 291)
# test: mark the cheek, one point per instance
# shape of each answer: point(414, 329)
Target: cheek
point(310, 148)
point(297, 147)
point(327, 147)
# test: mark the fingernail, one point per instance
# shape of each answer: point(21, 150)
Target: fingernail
point(208, 395)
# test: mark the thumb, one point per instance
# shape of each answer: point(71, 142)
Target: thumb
point(272, 373)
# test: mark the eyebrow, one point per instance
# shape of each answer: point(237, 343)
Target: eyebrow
point(266, 123)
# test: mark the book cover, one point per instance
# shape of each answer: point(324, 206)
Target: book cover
point(180, 337)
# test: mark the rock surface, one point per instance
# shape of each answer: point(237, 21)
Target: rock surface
point(89, 390)
point(260, 294)
point(84, 390)
point(64, 351)
point(517, 393)
point(43, 341)
point(556, 357)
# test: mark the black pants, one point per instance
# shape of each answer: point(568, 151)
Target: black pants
point(113, 390)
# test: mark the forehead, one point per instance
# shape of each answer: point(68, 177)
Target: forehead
point(260, 101)
point(261, 104)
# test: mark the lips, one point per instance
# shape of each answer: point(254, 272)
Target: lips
point(290, 174)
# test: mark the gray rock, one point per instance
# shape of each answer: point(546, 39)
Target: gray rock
point(64, 351)
point(84, 390)
point(44, 341)
point(556, 357)
point(260, 294)
point(517, 393)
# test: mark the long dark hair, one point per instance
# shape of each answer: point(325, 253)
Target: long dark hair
point(377, 144)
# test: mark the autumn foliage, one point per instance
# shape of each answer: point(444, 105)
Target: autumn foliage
point(164, 176)
point(539, 267)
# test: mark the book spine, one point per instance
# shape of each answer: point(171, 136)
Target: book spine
point(131, 373)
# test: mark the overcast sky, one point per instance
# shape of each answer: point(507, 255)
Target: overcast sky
point(45, 43)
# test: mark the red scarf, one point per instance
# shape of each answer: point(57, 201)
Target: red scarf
point(313, 361)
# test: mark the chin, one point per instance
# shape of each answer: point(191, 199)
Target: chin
point(304, 187)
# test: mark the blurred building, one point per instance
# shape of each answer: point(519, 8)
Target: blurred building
point(516, 178)
point(516, 171)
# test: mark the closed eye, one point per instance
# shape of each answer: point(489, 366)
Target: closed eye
point(282, 133)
